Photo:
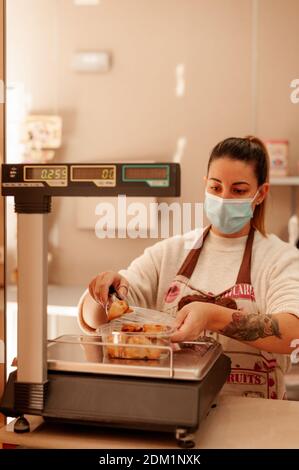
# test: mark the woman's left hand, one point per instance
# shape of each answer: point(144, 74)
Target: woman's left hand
point(191, 321)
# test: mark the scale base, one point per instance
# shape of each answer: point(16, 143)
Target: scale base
point(162, 405)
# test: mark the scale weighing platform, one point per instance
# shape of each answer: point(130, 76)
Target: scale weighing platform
point(70, 379)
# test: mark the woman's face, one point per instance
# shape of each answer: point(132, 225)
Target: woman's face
point(230, 179)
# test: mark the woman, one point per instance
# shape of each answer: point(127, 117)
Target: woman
point(240, 286)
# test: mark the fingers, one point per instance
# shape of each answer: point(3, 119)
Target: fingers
point(185, 333)
point(123, 289)
point(182, 327)
point(91, 289)
point(99, 286)
point(190, 322)
point(182, 334)
point(181, 316)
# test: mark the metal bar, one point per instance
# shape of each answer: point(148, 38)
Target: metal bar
point(65, 340)
point(32, 298)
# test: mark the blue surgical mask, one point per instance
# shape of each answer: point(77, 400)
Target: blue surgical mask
point(228, 215)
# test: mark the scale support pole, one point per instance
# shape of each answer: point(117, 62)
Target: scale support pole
point(32, 308)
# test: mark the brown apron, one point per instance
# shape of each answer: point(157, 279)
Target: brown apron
point(254, 373)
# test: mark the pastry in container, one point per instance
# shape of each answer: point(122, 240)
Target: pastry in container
point(128, 340)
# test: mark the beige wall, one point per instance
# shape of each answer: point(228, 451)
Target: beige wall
point(2, 321)
point(132, 112)
point(276, 115)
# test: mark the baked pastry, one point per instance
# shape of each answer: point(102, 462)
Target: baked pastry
point(116, 351)
point(139, 353)
point(132, 328)
point(150, 328)
point(117, 309)
point(139, 335)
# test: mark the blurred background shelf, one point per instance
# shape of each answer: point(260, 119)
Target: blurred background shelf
point(285, 181)
point(289, 181)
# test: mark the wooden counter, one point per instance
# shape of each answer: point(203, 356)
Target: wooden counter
point(235, 423)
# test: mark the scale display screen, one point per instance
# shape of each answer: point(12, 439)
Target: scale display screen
point(100, 175)
point(90, 173)
point(138, 173)
point(45, 173)
point(153, 175)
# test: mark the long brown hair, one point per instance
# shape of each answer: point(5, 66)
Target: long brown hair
point(253, 151)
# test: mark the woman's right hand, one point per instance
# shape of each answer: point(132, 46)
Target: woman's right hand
point(99, 286)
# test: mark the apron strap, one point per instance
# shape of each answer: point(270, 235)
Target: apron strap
point(244, 275)
point(191, 259)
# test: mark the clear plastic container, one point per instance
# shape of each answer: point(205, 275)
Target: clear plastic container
point(133, 340)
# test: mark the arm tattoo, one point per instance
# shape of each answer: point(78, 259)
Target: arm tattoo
point(252, 326)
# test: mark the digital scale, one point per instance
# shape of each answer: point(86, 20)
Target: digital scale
point(131, 179)
point(70, 379)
